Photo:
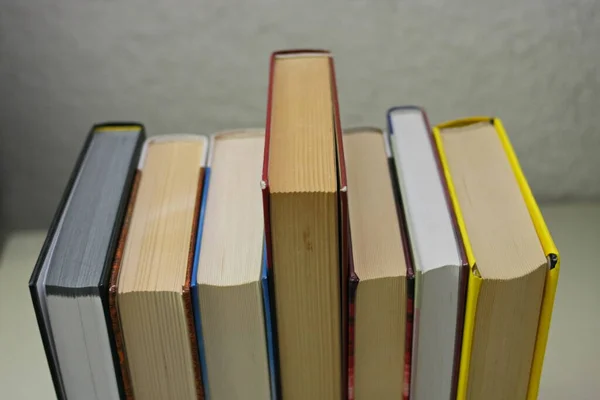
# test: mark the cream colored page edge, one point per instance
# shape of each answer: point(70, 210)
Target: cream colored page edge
point(175, 137)
point(241, 133)
point(303, 54)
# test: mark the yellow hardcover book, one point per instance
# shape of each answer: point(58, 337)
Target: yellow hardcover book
point(475, 280)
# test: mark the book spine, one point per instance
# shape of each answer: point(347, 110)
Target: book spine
point(270, 327)
point(112, 293)
point(410, 281)
point(460, 320)
point(264, 184)
point(408, 341)
point(187, 297)
point(345, 250)
point(352, 288)
point(194, 285)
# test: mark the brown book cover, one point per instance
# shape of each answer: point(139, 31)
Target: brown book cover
point(187, 298)
point(187, 295)
point(112, 292)
point(343, 223)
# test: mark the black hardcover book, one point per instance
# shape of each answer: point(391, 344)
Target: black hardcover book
point(69, 284)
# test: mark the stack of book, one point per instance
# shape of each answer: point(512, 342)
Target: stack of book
point(300, 261)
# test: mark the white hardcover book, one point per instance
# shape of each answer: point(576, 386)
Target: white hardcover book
point(437, 256)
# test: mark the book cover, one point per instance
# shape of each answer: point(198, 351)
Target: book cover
point(194, 284)
point(270, 328)
point(474, 282)
point(187, 291)
point(353, 281)
point(112, 294)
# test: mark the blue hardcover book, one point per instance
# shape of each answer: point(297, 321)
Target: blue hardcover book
point(194, 286)
point(266, 282)
point(230, 282)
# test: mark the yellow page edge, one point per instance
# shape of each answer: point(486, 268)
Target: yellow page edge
point(551, 252)
point(116, 128)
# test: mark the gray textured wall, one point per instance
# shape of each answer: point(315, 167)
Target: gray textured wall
point(202, 66)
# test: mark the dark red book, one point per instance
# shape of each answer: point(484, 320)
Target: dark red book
point(381, 278)
point(306, 224)
point(410, 281)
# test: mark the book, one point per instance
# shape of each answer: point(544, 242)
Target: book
point(439, 263)
point(514, 264)
point(306, 224)
point(150, 284)
point(69, 284)
point(378, 284)
point(230, 288)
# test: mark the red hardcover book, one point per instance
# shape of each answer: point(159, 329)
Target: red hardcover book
point(112, 292)
point(354, 278)
point(306, 224)
point(410, 281)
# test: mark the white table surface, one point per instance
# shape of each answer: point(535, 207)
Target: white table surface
point(571, 368)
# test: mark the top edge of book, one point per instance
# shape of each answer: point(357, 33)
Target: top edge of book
point(362, 129)
point(79, 269)
point(118, 127)
point(109, 126)
point(464, 122)
point(266, 180)
point(176, 137)
point(541, 228)
point(421, 177)
point(299, 53)
point(406, 108)
point(372, 131)
point(234, 134)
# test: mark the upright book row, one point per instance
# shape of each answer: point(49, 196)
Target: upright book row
point(300, 262)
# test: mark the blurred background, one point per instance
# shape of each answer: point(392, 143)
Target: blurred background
point(202, 66)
